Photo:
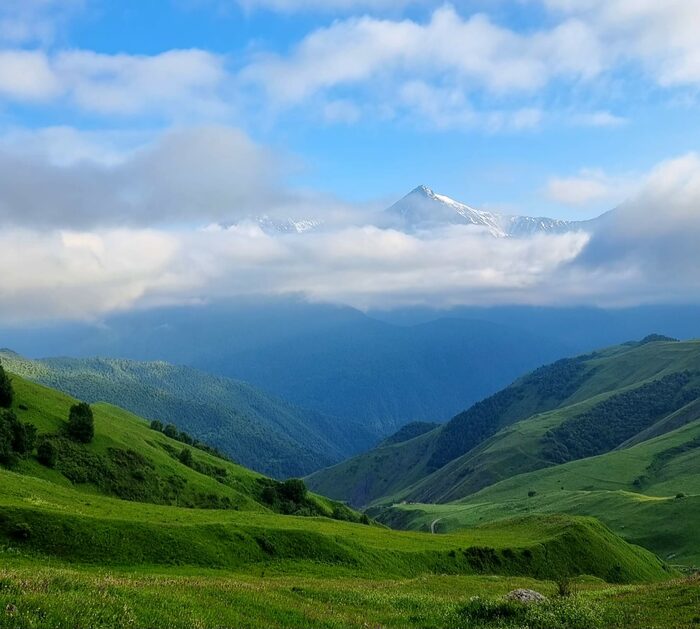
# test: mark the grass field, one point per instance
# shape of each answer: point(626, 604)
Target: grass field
point(648, 493)
point(60, 597)
point(76, 554)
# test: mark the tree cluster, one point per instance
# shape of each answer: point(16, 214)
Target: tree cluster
point(172, 431)
point(17, 439)
point(618, 418)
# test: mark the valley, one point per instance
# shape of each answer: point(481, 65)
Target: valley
point(126, 529)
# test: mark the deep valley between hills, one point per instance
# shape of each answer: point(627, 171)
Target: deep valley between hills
point(580, 480)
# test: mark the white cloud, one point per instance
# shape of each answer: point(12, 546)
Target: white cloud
point(446, 109)
point(293, 6)
point(34, 21)
point(64, 178)
point(663, 36)
point(429, 70)
point(600, 119)
point(27, 76)
point(82, 275)
point(461, 58)
point(645, 251)
point(474, 50)
point(176, 83)
point(589, 186)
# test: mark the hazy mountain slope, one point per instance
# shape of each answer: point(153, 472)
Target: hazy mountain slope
point(571, 409)
point(388, 470)
point(649, 493)
point(583, 329)
point(261, 432)
point(334, 360)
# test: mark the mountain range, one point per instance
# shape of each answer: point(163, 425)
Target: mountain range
point(260, 431)
point(424, 209)
point(619, 426)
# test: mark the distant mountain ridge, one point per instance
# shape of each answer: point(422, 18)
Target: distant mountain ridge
point(569, 410)
point(422, 208)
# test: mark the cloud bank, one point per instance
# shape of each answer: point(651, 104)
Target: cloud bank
point(112, 229)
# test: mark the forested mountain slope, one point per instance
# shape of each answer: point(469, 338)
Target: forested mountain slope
point(256, 429)
point(334, 360)
point(649, 493)
point(572, 409)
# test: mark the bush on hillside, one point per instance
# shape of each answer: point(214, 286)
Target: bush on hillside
point(561, 613)
point(17, 439)
point(293, 490)
point(157, 425)
point(185, 457)
point(6, 391)
point(171, 431)
point(81, 423)
point(47, 454)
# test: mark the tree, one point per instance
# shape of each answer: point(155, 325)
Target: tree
point(47, 454)
point(81, 423)
point(16, 438)
point(171, 431)
point(7, 454)
point(186, 457)
point(6, 391)
point(293, 490)
point(23, 437)
point(157, 425)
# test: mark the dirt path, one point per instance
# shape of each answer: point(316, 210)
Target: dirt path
point(432, 525)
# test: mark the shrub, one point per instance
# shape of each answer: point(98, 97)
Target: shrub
point(7, 454)
point(20, 531)
point(565, 587)
point(480, 610)
point(6, 392)
point(171, 431)
point(16, 438)
point(47, 454)
point(570, 613)
point(680, 495)
point(81, 423)
point(157, 425)
point(23, 438)
point(293, 490)
point(185, 457)
point(531, 494)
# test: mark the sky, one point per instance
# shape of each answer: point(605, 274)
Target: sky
point(137, 138)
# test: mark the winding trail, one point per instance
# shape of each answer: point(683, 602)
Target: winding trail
point(432, 526)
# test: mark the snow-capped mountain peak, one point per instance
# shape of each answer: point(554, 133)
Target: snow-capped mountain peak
point(423, 208)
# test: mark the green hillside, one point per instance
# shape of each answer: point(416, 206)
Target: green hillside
point(571, 409)
point(129, 460)
point(126, 531)
point(648, 493)
point(263, 433)
point(119, 500)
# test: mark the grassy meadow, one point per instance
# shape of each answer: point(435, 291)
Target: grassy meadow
point(102, 540)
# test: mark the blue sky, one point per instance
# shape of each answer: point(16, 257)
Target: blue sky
point(620, 121)
point(147, 122)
